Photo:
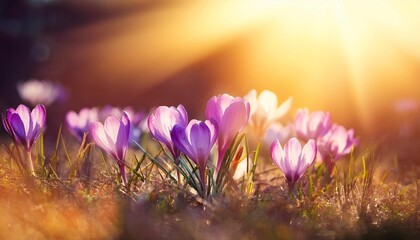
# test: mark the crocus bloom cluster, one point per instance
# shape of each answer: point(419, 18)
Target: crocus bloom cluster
point(40, 92)
point(196, 141)
point(336, 143)
point(79, 123)
point(25, 126)
point(231, 116)
point(264, 109)
point(311, 125)
point(112, 137)
point(162, 121)
point(293, 160)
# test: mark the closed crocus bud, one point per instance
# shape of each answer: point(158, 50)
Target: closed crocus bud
point(264, 109)
point(231, 116)
point(196, 141)
point(337, 143)
point(312, 125)
point(112, 137)
point(162, 121)
point(40, 92)
point(294, 160)
point(25, 126)
point(79, 123)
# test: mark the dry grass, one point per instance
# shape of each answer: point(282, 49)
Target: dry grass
point(375, 200)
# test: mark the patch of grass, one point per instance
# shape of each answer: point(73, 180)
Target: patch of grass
point(363, 199)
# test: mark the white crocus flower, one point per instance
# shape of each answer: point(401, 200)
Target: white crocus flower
point(264, 109)
point(39, 92)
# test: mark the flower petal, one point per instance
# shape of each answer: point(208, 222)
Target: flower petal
point(307, 157)
point(213, 111)
point(293, 150)
point(180, 140)
point(283, 109)
point(25, 116)
point(278, 156)
point(99, 136)
point(234, 119)
point(18, 129)
point(38, 116)
point(251, 97)
point(162, 121)
point(200, 139)
point(267, 101)
point(183, 115)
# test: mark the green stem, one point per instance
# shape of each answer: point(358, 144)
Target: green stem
point(203, 182)
point(178, 175)
point(123, 174)
point(292, 189)
point(31, 164)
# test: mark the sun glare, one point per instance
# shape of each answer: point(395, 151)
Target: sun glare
point(364, 51)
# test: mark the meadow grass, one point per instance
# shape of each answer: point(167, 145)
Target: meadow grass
point(77, 194)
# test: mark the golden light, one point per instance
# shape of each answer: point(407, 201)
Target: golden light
point(353, 58)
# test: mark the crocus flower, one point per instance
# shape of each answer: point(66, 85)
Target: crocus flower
point(162, 121)
point(337, 143)
point(231, 116)
point(277, 131)
point(293, 160)
point(79, 123)
point(40, 92)
point(109, 110)
point(312, 125)
point(25, 126)
point(136, 119)
point(112, 137)
point(196, 141)
point(264, 110)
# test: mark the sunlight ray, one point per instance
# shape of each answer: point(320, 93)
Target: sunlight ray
point(354, 49)
point(162, 42)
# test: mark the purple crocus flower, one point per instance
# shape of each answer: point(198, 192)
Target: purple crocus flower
point(293, 160)
point(112, 137)
point(231, 116)
point(79, 123)
point(312, 125)
point(109, 110)
point(25, 126)
point(337, 143)
point(136, 119)
point(196, 141)
point(162, 121)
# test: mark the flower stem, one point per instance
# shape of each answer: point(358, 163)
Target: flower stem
point(123, 174)
point(203, 182)
point(31, 164)
point(292, 189)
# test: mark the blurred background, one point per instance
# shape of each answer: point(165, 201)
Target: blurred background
point(360, 60)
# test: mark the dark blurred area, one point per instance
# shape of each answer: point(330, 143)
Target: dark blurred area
point(31, 41)
point(29, 36)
